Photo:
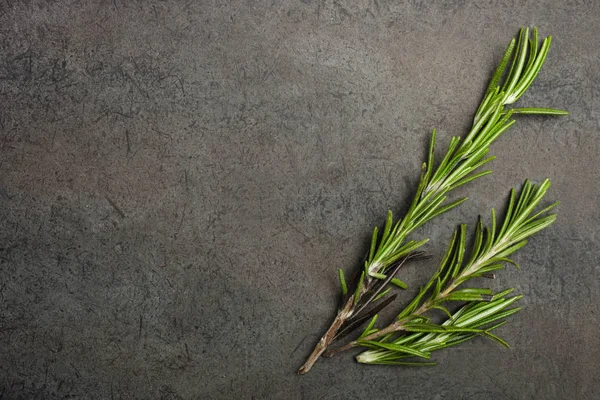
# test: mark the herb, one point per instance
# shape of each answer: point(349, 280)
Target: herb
point(461, 164)
point(478, 318)
point(491, 249)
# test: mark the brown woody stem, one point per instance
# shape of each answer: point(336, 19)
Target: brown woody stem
point(396, 326)
point(351, 308)
point(327, 338)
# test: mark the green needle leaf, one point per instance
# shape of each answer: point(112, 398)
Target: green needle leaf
point(343, 282)
point(369, 327)
point(496, 339)
point(539, 111)
point(373, 244)
point(399, 283)
point(501, 67)
point(405, 363)
point(387, 228)
point(357, 292)
point(394, 347)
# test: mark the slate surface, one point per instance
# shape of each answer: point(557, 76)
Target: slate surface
point(179, 182)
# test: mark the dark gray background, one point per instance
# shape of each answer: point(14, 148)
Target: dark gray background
point(248, 149)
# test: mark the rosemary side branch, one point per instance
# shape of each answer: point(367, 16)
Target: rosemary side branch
point(492, 247)
point(461, 164)
point(477, 318)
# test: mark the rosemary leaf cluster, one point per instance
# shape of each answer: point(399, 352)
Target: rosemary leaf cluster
point(465, 157)
point(478, 318)
point(462, 163)
point(490, 252)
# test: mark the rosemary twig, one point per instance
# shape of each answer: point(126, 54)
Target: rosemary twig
point(460, 165)
point(491, 249)
point(477, 318)
point(352, 311)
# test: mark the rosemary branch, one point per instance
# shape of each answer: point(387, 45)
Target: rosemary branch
point(491, 249)
point(472, 320)
point(460, 165)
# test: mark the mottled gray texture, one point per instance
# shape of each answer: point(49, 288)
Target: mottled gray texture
point(248, 149)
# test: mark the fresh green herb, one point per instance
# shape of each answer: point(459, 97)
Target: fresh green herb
point(491, 249)
point(461, 164)
point(478, 318)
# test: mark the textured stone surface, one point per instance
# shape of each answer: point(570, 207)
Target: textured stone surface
point(180, 180)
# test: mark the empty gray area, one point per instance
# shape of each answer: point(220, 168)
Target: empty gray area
point(180, 181)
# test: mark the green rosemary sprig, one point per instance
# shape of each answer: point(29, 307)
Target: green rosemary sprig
point(477, 318)
point(461, 164)
point(491, 249)
point(462, 160)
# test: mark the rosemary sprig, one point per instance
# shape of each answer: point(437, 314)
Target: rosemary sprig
point(477, 318)
point(460, 165)
point(491, 249)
